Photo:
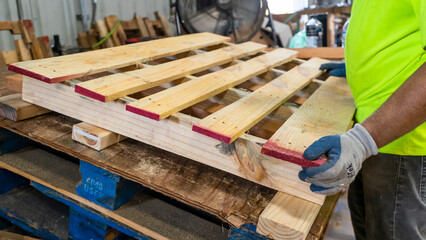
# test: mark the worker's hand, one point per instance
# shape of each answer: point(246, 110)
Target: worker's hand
point(345, 153)
point(337, 69)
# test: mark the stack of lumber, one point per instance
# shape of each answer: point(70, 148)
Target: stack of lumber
point(28, 47)
point(134, 28)
point(183, 95)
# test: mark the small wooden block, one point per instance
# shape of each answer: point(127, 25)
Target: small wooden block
point(164, 24)
point(22, 50)
point(95, 137)
point(287, 217)
point(14, 82)
point(2, 59)
point(45, 46)
point(102, 30)
point(12, 26)
point(82, 40)
point(143, 31)
point(10, 57)
point(92, 38)
point(150, 28)
point(14, 108)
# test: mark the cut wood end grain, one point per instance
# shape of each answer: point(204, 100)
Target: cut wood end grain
point(142, 112)
point(208, 132)
point(89, 93)
point(272, 149)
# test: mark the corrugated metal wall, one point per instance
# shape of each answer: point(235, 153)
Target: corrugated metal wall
point(59, 16)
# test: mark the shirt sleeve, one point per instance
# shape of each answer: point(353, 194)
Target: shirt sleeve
point(420, 10)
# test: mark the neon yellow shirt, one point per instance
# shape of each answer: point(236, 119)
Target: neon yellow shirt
point(386, 44)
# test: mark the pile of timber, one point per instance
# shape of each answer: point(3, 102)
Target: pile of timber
point(28, 47)
point(138, 27)
point(183, 95)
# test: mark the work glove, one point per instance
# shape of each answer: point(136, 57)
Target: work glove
point(345, 153)
point(337, 69)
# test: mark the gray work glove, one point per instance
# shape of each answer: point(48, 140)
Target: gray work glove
point(337, 69)
point(345, 153)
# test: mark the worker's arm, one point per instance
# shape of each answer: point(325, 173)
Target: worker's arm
point(401, 113)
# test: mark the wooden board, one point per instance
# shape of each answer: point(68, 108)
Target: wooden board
point(14, 108)
point(102, 30)
point(149, 27)
point(284, 218)
point(332, 53)
point(328, 111)
point(95, 137)
point(29, 37)
point(164, 23)
point(45, 46)
point(62, 68)
point(92, 38)
point(22, 50)
point(174, 134)
point(232, 121)
point(143, 31)
point(163, 104)
point(118, 37)
point(83, 42)
point(118, 85)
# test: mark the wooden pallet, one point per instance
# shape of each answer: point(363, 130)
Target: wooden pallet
point(214, 77)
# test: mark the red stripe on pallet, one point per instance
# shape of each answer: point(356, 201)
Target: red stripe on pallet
point(40, 77)
point(212, 134)
point(142, 112)
point(88, 93)
point(273, 150)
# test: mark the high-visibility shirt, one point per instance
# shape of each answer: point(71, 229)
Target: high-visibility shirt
point(385, 45)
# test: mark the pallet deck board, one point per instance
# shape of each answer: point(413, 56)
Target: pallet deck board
point(232, 121)
point(58, 69)
point(118, 85)
point(163, 104)
point(328, 111)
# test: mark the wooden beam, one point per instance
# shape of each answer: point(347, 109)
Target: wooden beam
point(118, 85)
point(172, 100)
point(149, 27)
point(332, 53)
point(92, 38)
point(12, 26)
point(14, 108)
point(143, 31)
point(95, 137)
point(232, 121)
point(102, 30)
point(287, 218)
point(164, 24)
point(82, 41)
point(22, 50)
point(242, 158)
point(45, 46)
point(66, 67)
point(130, 25)
point(29, 37)
point(328, 111)
point(10, 56)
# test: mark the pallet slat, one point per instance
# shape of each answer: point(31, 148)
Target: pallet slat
point(328, 111)
point(118, 85)
point(62, 68)
point(232, 121)
point(163, 104)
